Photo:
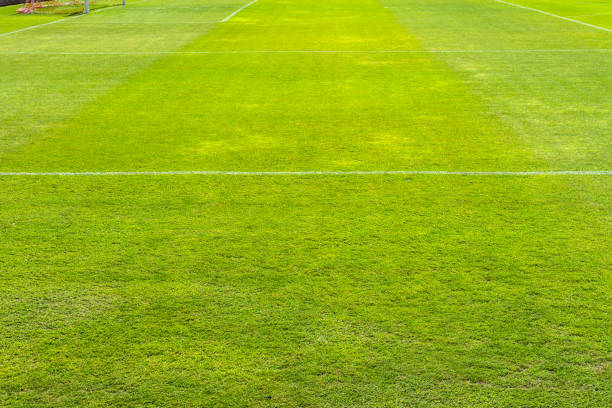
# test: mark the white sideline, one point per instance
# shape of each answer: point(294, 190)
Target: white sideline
point(313, 173)
point(509, 51)
point(238, 11)
point(555, 15)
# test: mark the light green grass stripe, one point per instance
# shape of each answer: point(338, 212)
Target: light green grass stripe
point(314, 173)
point(554, 15)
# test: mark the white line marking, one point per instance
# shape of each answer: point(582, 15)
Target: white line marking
point(238, 11)
point(312, 52)
point(555, 15)
point(313, 173)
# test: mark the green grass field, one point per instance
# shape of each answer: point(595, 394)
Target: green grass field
point(297, 289)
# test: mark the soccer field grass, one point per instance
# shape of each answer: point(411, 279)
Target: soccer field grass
point(315, 203)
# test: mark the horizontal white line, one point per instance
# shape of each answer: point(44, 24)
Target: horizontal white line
point(555, 15)
point(238, 11)
point(561, 50)
point(314, 173)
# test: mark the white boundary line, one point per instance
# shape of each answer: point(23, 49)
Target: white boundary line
point(517, 51)
point(313, 173)
point(555, 15)
point(238, 11)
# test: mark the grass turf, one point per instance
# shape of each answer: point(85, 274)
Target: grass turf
point(307, 291)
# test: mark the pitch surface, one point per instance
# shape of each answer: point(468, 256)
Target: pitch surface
point(377, 290)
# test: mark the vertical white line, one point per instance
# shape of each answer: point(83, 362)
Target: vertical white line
point(238, 11)
point(555, 15)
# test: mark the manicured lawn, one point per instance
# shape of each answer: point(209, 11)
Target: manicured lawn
point(371, 290)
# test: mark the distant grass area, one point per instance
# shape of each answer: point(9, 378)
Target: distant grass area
point(307, 291)
point(11, 20)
